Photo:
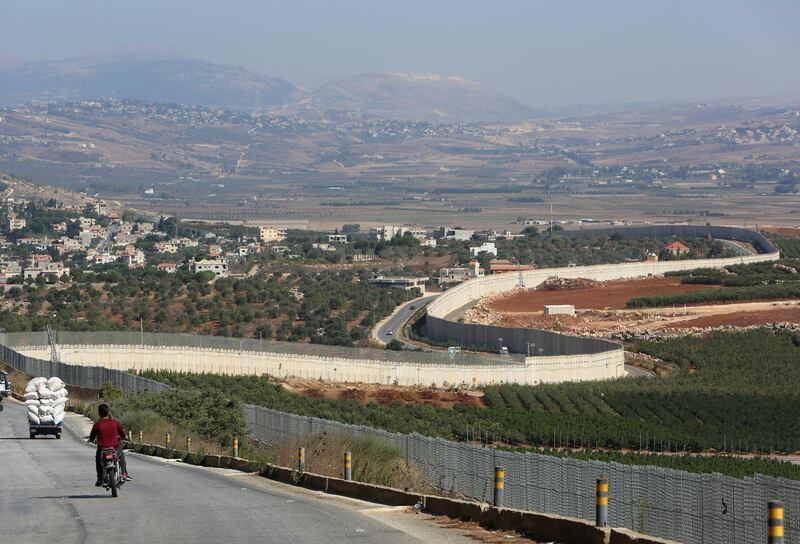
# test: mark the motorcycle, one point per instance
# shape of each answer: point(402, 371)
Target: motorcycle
point(112, 476)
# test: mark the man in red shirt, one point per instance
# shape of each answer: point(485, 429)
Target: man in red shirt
point(107, 433)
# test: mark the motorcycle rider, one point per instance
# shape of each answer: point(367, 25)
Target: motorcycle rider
point(107, 433)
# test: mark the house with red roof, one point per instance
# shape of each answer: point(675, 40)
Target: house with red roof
point(677, 248)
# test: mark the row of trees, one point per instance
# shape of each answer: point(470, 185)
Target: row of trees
point(329, 307)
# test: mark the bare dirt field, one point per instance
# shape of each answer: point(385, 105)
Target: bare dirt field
point(380, 394)
point(600, 309)
point(784, 232)
point(611, 294)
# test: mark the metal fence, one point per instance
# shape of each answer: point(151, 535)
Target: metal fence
point(682, 506)
point(84, 376)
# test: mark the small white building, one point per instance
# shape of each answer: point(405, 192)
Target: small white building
point(337, 238)
point(487, 247)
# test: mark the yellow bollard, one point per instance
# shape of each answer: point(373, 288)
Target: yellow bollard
point(141, 437)
point(188, 443)
point(301, 459)
point(775, 522)
point(167, 440)
point(601, 502)
point(348, 465)
point(499, 485)
point(236, 447)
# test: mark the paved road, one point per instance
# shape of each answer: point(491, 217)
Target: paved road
point(400, 316)
point(47, 494)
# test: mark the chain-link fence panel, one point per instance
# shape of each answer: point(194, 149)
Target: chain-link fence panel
point(682, 506)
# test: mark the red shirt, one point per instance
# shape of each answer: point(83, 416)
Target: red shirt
point(107, 431)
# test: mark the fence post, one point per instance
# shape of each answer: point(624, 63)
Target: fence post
point(188, 444)
point(775, 522)
point(601, 501)
point(348, 465)
point(130, 436)
point(499, 485)
point(141, 437)
point(168, 440)
point(236, 447)
point(301, 459)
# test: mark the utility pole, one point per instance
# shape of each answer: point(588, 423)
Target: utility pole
point(141, 331)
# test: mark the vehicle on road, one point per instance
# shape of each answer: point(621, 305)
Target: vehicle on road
point(5, 384)
point(47, 429)
point(412, 307)
point(112, 476)
point(389, 333)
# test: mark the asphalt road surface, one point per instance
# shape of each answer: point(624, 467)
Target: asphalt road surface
point(47, 494)
point(401, 315)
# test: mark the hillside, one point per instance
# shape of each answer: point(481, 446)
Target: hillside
point(169, 80)
point(424, 97)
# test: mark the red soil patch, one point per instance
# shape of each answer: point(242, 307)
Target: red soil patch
point(611, 294)
point(784, 232)
point(745, 319)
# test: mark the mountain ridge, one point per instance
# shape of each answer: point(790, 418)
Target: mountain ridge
point(171, 79)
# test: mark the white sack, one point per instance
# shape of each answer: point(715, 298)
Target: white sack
point(33, 418)
point(33, 395)
point(45, 410)
point(46, 402)
point(61, 393)
point(32, 402)
point(34, 384)
point(45, 393)
point(61, 401)
point(47, 419)
point(55, 383)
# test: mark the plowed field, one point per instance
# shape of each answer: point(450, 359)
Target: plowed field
point(612, 294)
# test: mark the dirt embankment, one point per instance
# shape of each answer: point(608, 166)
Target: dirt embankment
point(382, 394)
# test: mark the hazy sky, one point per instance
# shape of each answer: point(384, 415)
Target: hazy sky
point(540, 52)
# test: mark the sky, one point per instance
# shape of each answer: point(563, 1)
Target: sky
point(543, 53)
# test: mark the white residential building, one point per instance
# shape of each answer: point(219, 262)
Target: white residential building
point(487, 247)
point(46, 268)
point(218, 266)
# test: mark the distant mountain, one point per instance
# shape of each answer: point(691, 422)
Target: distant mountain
point(423, 97)
point(172, 80)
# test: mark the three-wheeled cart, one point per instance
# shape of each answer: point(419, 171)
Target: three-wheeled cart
point(45, 429)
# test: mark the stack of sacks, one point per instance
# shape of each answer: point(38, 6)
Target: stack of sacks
point(46, 400)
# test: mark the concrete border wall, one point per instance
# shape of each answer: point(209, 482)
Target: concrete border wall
point(192, 359)
point(441, 322)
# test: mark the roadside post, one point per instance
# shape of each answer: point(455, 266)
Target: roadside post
point(499, 485)
point(601, 502)
point(348, 465)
